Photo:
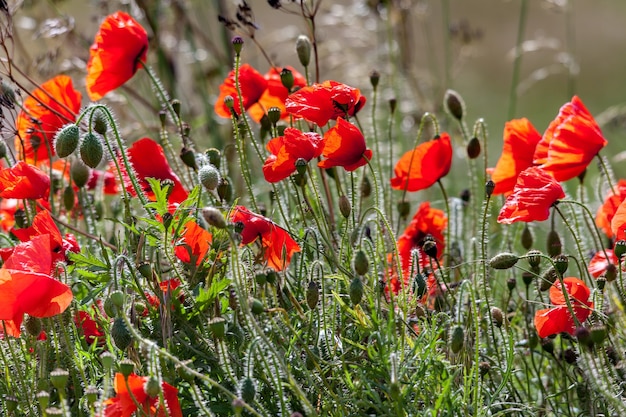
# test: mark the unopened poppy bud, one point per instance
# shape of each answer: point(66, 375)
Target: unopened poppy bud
point(145, 270)
point(229, 102)
point(457, 339)
point(217, 326)
point(183, 369)
point(248, 390)
point(176, 106)
point(620, 248)
point(504, 260)
point(430, 248)
point(419, 285)
point(560, 264)
point(361, 263)
point(59, 378)
point(91, 150)
point(152, 387)
point(273, 115)
point(497, 316)
point(526, 238)
point(489, 187)
point(511, 283)
point(344, 206)
point(99, 121)
point(356, 290)
point(209, 177)
point(527, 278)
point(3, 149)
point(403, 209)
point(121, 334)
point(473, 148)
point(553, 245)
point(214, 217)
point(611, 272)
point(547, 345)
point(32, 325)
point(583, 335)
point(453, 103)
point(366, 187)
point(465, 195)
point(598, 334)
point(188, 157)
point(43, 398)
point(215, 157)
point(312, 294)
point(393, 103)
point(79, 173)
point(286, 77)
point(256, 306)
point(237, 42)
point(117, 298)
point(225, 190)
point(260, 278)
point(547, 279)
point(66, 140)
point(303, 49)
point(374, 78)
point(127, 367)
point(69, 198)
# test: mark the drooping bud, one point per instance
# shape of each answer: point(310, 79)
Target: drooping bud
point(248, 390)
point(356, 290)
point(188, 157)
point(79, 173)
point(497, 316)
point(209, 177)
point(419, 285)
point(403, 209)
point(120, 334)
point(145, 269)
point(225, 190)
point(312, 294)
point(215, 157)
point(553, 245)
point(237, 43)
point(214, 217)
point(547, 279)
point(99, 122)
point(91, 150)
point(504, 260)
point(473, 148)
point(286, 77)
point(453, 103)
point(69, 198)
point(361, 263)
point(526, 238)
point(152, 387)
point(344, 206)
point(303, 49)
point(457, 339)
point(66, 140)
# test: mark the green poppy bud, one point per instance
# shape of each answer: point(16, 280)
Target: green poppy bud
point(91, 150)
point(66, 140)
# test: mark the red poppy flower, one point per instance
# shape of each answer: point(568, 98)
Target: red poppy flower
point(108, 179)
point(599, 263)
point(148, 160)
point(8, 207)
point(91, 329)
point(570, 142)
point(252, 85)
point(194, 243)
point(275, 94)
point(24, 181)
point(47, 109)
point(534, 193)
point(120, 45)
point(618, 222)
point(344, 146)
point(320, 103)
point(286, 150)
point(26, 286)
point(278, 246)
point(123, 405)
point(423, 166)
point(520, 140)
point(558, 318)
point(607, 210)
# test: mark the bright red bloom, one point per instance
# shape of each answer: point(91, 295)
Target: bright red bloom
point(47, 109)
point(194, 243)
point(26, 286)
point(252, 85)
point(120, 46)
point(344, 146)
point(570, 142)
point(520, 140)
point(423, 166)
point(534, 193)
point(278, 246)
point(148, 160)
point(329, 100)
point(108, 179)
point(24, 181)
point(275, 94)
point(8, 207)
point(618, 222)
point(122, 405)
point(607, 210)
point(558, 318)
point(600, 263)
point(286, 150)
point(90, 328)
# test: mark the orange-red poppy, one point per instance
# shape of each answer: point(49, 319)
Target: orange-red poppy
point(90, 328)
point(423, 166)
point(286, 150)
point(252, 85)
point(278, 246)
point(518, 149)
point(601, 261)
point(534, 193)
point(120, 46)
point(131, 392)
point(607, 210)
point(329, 100)
point(149, 161)
point(275, 94)
point(108, 179)
point(24, 181)
point(8, 207)
point(570, 142)
point(618, 222)
point(26, 286)
point(344, 146)
point(558, 318)
point(194, 243)
point(47, 109)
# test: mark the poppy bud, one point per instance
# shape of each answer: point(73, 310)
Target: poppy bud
point(120, 334)
point(32, 325)
point(570, 356)
point(392, 105)
point(497, 316)
point(344, 206)
point(3, 149)
point(188, 157)
point(43, 398)
point(620, 248)
point(217, 326)
point(430, 248)
point(215, 157)
point(403, 209)
point(504, 260)
point(225, 190)
point(489, 187)
point(117, 298)
point(256, 306)
point(152, 387)
point(99, 122)
point(366, 187)
point(457, 339)
point(286, 77)
point(66, 140)
point(79, 173)
point(69, 198)
point(547, 279)
point(374, 78)
point(127, 367)
point(59, 378)
point(91, 150)
point(547, 345)
point(356, 290)
point(273, 115)
point(526, 238)
point(260, 278)
point(21, 220)
point(583, 335)
point(453, 103)
point(465, 195)
point(527, 278)
point(214, 217)
point(209, 177)
point(248, 390)
point(473, 148)
point(361, 263)
point(419, 285)
point(312, 294)
point(553, 246)
point(598, 334)
point(303, 49)
point(237, 42)
point(145, 270)
point(611, 272)
point(561, 263)
point(300, 179)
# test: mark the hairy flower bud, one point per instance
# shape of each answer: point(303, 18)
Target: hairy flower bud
point(312, 294)
point(79, 173)
point(453, 103)
point(457, 339)
point(214, 217)
point(361, 263)
point(121, 334)
point(209, 177)
point(66, 140)
point(344, 206)
point(553, 245)
point(356, 290)
point(91, 150)
point(473, 148)
point(503, 260)
point(303, 49)
point(526, 238)
point(215, 157)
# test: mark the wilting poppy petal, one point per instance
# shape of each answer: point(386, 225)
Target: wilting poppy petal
point(24, 181)
point(534, 193)
point(47, 109)
point(570, 142)
point(520, 140)
point(599, 263)
point(119, 47)
point(275, 94)
point(607, 210)
point(252, 85)
point(344, 146)
point(286, 150)
point(194, 240)
point(123, 405)
point(558, 319)
point(329, 100)
point(148, 160)
point(423, 166)
point(278, 246)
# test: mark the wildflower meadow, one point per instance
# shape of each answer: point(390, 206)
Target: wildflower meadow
point(238, 236)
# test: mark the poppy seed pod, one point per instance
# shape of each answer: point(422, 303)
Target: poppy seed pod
point(273, 115)
point(374, 78)
point(620, 249)
point(59, 378)
point(430, 248)
point(453, 103)
point(561, 263)
point(534, 258)
point(303, 49)
point(489, 187)
point(127, 367)
point(43, 398)
point(91, 150)
point(66, 140)
point(286, 77)
point(176, 106)
point(237, 43)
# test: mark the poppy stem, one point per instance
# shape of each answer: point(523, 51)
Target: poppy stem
point(581, 253)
